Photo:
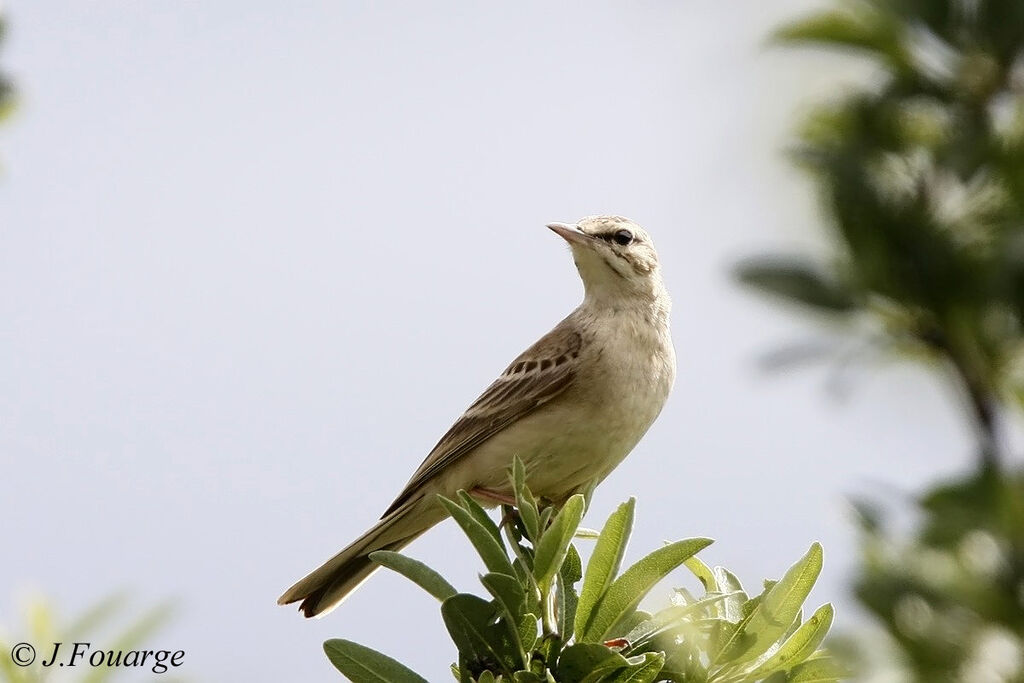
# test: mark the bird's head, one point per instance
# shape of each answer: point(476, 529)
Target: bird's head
point(615, 257)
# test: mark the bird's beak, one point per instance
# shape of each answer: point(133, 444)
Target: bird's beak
point(570, 233)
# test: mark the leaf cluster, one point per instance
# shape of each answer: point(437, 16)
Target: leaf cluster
point(921, 172)
point(543, 619)
point(949, 594)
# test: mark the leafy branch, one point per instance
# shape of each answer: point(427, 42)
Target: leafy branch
point(921, 171)
point(534, 625)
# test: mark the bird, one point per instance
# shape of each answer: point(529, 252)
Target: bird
point(571, 406)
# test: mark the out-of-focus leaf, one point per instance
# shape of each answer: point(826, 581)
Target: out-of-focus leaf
point(604, 562)
point(626, 591)
point(490, 550)
point(796, 280)
point(797, 354)
point(417, 572)
point(95, 617)
point(774, 612)
point(133, 636)
point(6, 89)
point(365, 665)
point(858, 25)
point(867, 515)
point(554, 541)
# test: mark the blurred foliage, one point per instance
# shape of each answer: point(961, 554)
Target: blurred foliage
point(949, 597)
point(535, 626)
point(108, 624)
point(921, 174)
point(6, 88)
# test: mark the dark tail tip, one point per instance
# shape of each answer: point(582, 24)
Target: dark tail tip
point(309, 605)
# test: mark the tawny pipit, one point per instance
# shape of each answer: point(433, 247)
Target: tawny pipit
point(572, 406)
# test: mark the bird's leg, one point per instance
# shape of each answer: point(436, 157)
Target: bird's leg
point(492, 496)
point(509, 519)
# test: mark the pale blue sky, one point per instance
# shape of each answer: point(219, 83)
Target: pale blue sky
point(256, 257)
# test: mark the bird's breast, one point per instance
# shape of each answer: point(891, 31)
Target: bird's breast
point(623, 376)
point(631, 367)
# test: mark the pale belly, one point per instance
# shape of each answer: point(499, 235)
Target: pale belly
point(578, 438)
point(566, 446)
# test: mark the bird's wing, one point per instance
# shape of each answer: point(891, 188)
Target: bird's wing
point(540, 373)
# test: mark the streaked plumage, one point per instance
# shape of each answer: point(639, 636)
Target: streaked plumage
point(571, 406)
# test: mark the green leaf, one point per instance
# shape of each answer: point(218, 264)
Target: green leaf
point(668, 619)
point(704, 573)
point(684, 663)
point(581, 660)
point(479, 514)
point(858, 26)
point(819, 670)
point(491, 551)
point(731, 609)
point(798, 281)
point(554, 541)
point(799, 646)
point(721, 632)
point(525, 577)
point(625, 593)
point(644, 669)
point(365, 665)
point(481, 641)
point(568, 599)
point(604, 563)
point(584, 532)
point(545, 517)
point(773, 613)
point(528, 631)
point(526, 504)
point(417, 572)
point(508, 592)
point(631, 622)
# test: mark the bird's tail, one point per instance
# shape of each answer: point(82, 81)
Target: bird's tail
point(326, 587)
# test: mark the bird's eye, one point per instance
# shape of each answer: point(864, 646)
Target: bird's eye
point(622, 237)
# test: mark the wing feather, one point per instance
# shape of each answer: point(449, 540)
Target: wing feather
point(538, 375)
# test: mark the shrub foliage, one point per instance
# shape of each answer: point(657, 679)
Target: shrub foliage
point(542, 618)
